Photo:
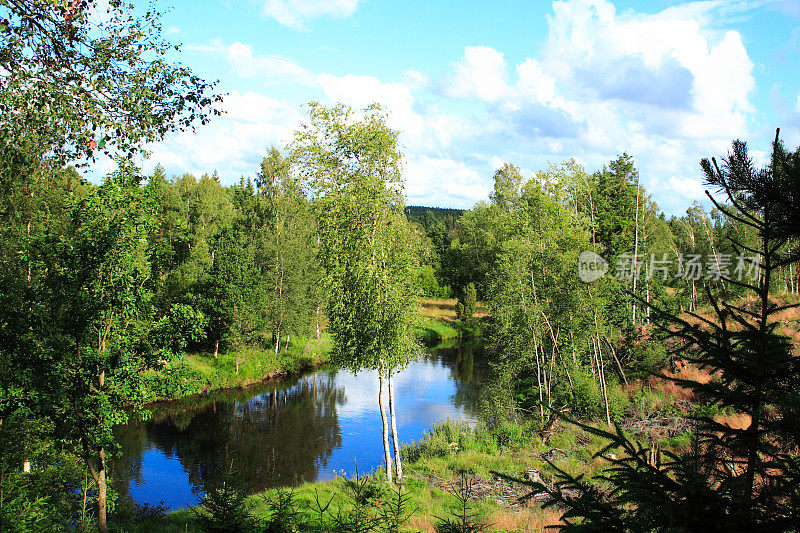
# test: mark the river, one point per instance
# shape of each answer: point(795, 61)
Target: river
point(284, 433)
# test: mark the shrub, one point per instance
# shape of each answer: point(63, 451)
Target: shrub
point(650, 356)
point(463, 516)
point(283, 516)
point(648, 401)
point(585, 398)
point(225, 509)
point(465, 308)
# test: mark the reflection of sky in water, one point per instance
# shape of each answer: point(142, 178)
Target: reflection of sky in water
point(424, 393)
point(163, 479)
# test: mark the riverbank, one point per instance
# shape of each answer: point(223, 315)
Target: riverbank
point(199, 373)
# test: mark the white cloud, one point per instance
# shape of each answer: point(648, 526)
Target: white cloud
point(688, 188)
point(295, 13)
point(268, 67)
point(644, 63)
point(232, 144)
point(441, 181)
point(480, 73)
point(534, 82)
point(421, 130)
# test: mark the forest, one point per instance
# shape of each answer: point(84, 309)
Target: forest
point(141, 288)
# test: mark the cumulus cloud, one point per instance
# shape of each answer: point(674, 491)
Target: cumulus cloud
point(249, 65)
point(422, 129)
point(666, 61)
point(444, 181)
point(295, 13)
point(480, 73)
point(234, 144)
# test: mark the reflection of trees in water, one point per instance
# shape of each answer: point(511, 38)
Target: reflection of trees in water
point(281, 436)
point(468, 367)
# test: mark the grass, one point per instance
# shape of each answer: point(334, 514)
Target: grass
point(445, 309)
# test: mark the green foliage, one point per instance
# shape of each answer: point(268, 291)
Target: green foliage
point(647, 402)
point(649, 357)
point(358, 513)
point(353, 167)
point(283, 516)
point(463, 517)
point(465, 308)
point(754, 373)
point(78, 83)
point(396, 510)
point(448, 437)
point(585, 400)
point(182, 325)
point(46, 498)
point(225, 509)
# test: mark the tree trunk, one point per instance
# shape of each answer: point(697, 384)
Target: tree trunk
point(102, 490)
point(539, 379)
point(602, 373)
point(395, 443)
point(386, 455)
point(216, 349)
point(635, 254)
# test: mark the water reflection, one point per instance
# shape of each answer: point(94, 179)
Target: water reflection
point(292, 432)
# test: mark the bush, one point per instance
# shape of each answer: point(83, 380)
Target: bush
point(617, 401)
point(465, 308)
point(648, 357)
point(512, 434)
point(648, 401)
point(283, 516)
point(225, 509)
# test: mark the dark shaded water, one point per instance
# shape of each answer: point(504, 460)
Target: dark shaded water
point(290, 432)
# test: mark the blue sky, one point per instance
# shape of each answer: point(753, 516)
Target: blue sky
point(472, 85)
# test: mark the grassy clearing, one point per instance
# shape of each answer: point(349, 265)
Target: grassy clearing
point(445, 309)
point(438, 322)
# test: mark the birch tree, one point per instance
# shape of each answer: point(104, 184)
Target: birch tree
point(353, 165)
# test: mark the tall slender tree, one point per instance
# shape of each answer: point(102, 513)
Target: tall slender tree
point(353, 165)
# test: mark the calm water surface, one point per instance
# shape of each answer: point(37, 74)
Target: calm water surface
point(286, 433)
